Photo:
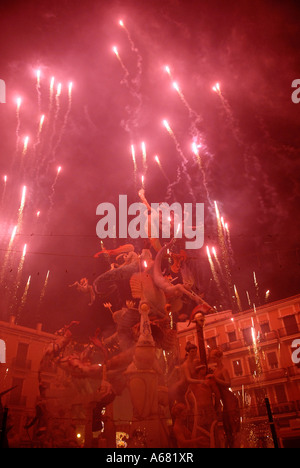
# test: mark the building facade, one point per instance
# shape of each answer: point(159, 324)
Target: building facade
point(259, 351)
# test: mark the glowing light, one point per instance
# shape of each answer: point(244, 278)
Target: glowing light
point(38, 77)
point(143, 145)
point(267, 295)
point(24, 251)
point(167, 126)
point(133, 158)
point(5, 179)
point(38, 213)
point(175, 86)
point(58, 90)
point(52, 84)
point(216, 88)
point(143, 181)
point(44, 288)
point(19, 102)
point(167, 68)
point(121, 23)
point(12, 237)
point(58, 170)
point(25, 147)
point(217, 210)
point(115, 50)
point(42, 119)
point(70, 89)
point(237, 298)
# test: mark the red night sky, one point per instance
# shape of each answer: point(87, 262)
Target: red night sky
point(249, 137)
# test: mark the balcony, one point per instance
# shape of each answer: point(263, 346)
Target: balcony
point(288, 331)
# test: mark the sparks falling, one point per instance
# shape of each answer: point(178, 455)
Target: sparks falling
point(133, 159)
point(157, 160)
point(24, 297)
point(143, 146)
point(8, 252)
point(43, 292)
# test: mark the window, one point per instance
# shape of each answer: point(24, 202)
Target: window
point(252, 365)
point(211, 342)
point(280, 393)
point(265, 327)
point(237, 368)
point(290, 324)
point(272, 360)
point(21, 356)
point(247, 333)
point(232, 336)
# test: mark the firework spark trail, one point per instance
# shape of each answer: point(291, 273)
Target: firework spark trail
point(43, 292)
point(248, 298)
point(38, 136)
point(184, 160)
point(64, 125)
point(51, 88)
point(126, 72)
point(19, 102)
point(18, 279)
point(57, 110)
point(237, 298)
point(214, 273)
point(134, 162)
point(157, 160)
point(144, 153)
point(225, 257)
point(4, 189)
point(51, 197)
point(200, 164)
point(21, 209)
point(195, 118)
point(38, 89)
point(23, 299)
point(252, 164)
point(136, 81)
point(134, 49)
point(8, 252)
point(256, 287)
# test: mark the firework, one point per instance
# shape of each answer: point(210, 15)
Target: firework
point(199, 161)
point(134, 160)
point(7, 254)
point(24, 297)
point(44, 288)
point(38, 87)
point(19, 102)
point(157, 160)
point(237, 298)
point(143, 146)
point(21, 209)
point(4, 188)
point(214, 273)
point(51, 90)
point(216, 89)
point(25, 146)
point(126, 72)
point(18, 279)
point(256, 286)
